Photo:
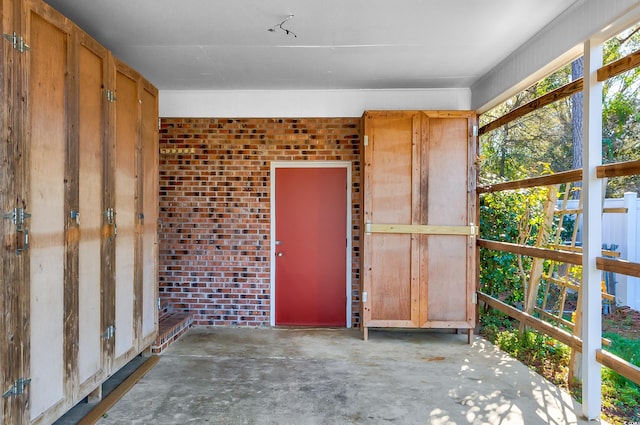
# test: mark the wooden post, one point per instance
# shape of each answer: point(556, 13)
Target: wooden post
point(538, 263)
point(591, 302)
point(632, 284)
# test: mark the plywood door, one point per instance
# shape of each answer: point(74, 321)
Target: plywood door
point(311, 212)
point(91, 189)
point(150, 190)
point(391, 182)
point(126, 192)
point(47, 94)
point(446, 288)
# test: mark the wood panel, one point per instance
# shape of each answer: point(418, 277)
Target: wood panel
point(14, 340)
point(91, 63)
point(47, 93)
point(445, 286)
point(150, 214)
point(126, 205)
point(388, 199)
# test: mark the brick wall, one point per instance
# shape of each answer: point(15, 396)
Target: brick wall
point(215, 209)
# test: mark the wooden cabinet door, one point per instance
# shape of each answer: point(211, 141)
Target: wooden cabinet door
point(94, 255)
point(419, 203)
point(51, 300)
point(149, 213)
point(391, 182)
point(126, 208)
point(448, 191)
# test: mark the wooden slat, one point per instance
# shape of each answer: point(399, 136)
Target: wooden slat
point(624, 64)
point(553, 96)
point(422, 229)
point(549, 254)
point(618, 266)
point(619, 365)
point(558, 178)
point(615, 210)
point(619, 169)
point(107, 403)
point(533, 322)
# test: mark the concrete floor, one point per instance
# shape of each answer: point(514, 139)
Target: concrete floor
point(289, 376)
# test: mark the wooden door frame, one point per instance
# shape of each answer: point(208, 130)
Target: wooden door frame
point(348, 251)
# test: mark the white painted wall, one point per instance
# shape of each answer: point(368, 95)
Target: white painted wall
point(305, 103)
point(556, 45)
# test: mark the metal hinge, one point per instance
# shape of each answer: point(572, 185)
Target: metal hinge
point(475, 131)
point(474, 298)
point(17, 388)
point(364, 297)
point(109, 333)
point(159, 306)
point(110, 95)
point(367, 227)
point(17, 216)
point(17, 42)
point(110, 214)
point(366, 140)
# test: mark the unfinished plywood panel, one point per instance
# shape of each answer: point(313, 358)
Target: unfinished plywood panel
point(126, 133)
point(388, 199)
point(418, 192)
point(447, 196)
point(47, 91)
point(150, 214)
point(91, 67)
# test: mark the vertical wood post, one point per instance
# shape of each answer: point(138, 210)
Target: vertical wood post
point(632, 287)
point(591, 304)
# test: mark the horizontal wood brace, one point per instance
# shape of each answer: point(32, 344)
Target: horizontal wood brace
point(624, 267)
point(532, 251)
point(548, 180)
point(422, 229)
point(605, 358)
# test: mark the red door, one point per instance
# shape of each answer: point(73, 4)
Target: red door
point(311, 241)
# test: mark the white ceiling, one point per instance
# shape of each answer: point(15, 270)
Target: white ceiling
point(340, 44)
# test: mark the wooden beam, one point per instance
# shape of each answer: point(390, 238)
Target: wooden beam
point(619, 169)
point(553, 96)
point(551, 179)
point(619, 365)
point(624, 64)
point(107, 403)
point(549, 254)
point(618, 266)
point(533, 322)
point(422, 229)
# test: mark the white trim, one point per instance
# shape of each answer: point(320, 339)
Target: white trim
point(305, 103)
point(591, 300)
point(349, 260)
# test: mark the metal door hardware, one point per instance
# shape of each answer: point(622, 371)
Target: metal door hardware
point(280, 254)
point(17, 388)
point(17, 42)
point(18, 216)
point(110, 215)
point(75, 215)
point(109, 333)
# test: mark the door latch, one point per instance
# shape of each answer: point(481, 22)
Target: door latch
point(17, 388)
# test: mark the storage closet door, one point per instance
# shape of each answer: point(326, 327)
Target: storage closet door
point(92, 66)
point(126, 192)
point(46, 169)
point(391, 182)
point(447, 288)
point(150, 190)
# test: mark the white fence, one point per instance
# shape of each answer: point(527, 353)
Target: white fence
point(621, 229)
